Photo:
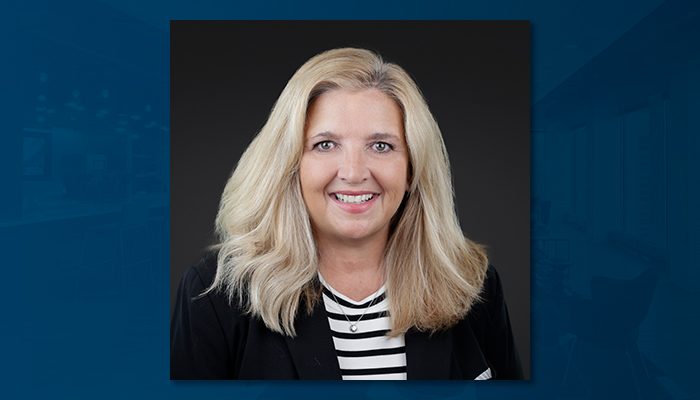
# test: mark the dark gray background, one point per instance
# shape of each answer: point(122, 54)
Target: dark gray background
point(225, 77)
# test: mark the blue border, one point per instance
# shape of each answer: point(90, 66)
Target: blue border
point(84, 209)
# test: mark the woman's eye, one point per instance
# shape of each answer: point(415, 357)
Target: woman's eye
point(382, 147)
point(326, 145)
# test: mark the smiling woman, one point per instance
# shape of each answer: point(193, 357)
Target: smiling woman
point(340, 253)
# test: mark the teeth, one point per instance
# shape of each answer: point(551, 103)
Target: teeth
point(354, 199)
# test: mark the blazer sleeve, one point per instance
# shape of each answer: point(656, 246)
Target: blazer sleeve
point(198, 345)
point(496, 335)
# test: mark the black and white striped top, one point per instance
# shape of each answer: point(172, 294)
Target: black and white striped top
point(367, 354)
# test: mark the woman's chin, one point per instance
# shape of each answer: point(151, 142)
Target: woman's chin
point(357, 233)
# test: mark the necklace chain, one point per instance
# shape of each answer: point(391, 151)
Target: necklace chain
point(353, 325)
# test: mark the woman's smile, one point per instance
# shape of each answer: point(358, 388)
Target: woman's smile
point(354, 202)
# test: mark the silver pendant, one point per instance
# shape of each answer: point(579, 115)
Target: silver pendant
point(353, 328)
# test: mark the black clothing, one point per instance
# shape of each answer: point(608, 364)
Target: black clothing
point(212, 339)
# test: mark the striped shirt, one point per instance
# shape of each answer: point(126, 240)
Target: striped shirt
point(367, 353)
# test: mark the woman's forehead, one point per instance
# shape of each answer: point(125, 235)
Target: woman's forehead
point(343, 111)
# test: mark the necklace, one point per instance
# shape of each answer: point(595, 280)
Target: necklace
point(353, 325)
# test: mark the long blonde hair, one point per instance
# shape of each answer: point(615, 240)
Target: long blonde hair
point(267, 257)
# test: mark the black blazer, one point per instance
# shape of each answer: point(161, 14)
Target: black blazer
point(212, 339)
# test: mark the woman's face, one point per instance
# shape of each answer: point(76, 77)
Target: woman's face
point(354, 170)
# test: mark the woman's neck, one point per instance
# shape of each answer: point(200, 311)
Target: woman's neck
point(353, 269)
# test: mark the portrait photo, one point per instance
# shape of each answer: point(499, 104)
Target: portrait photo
point(350, 200)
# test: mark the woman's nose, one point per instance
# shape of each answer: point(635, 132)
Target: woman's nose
point(353, 167)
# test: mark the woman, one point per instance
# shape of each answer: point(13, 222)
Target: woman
point(340, 253)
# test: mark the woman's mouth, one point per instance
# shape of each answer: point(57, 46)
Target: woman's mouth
point(354, 203)
point(359, 199)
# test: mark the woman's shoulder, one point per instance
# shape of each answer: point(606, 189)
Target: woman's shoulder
point(198, 304)
point(199, 276)
point(492, 289)
point(205, 328)
point(490, 322)
point(490, 297)
point(198, 279)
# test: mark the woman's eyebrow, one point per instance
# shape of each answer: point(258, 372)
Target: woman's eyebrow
point(324, 135)
point(383, 136)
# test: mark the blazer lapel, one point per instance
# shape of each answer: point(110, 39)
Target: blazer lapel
point(312, 350)
point(471, 360)
point(451, 354)
point(428, 356)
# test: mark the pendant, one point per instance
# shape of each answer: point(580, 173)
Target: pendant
point(353, 328)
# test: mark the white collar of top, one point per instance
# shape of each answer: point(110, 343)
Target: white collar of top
point(353, 324)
